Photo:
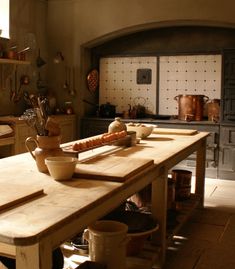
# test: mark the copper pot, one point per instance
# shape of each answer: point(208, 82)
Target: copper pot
point(190, 107)
point(213, 110)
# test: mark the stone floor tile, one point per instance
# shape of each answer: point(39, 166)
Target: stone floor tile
point(217, 257)
point(202, 231)
point(210, 216)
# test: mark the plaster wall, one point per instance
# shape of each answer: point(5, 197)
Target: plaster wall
point(94, 19)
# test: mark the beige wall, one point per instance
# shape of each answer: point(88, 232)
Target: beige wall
point(94, 18)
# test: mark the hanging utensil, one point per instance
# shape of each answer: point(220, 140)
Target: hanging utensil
point(24, 80)
point(21, 53)
point(39, 61)
point(73, 91)
point(27, 98)
point(14, 92)
point(59, 57)
point(11, 90)
point(39, 82)
point(69, 78)
point(24, 50)
point(66, 84)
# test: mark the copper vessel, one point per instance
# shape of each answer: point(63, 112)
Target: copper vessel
point(182, 179)
point(213, 110)
point(190, 107)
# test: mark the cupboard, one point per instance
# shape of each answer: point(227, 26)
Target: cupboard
point(22, 131)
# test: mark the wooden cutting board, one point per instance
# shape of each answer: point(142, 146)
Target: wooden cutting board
point(111, 168)
point(16, 194)
point(174, 131)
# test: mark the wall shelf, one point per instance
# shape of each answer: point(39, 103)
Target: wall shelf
point(10, 61)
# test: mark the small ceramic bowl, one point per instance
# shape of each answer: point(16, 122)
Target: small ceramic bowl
point(61, 167)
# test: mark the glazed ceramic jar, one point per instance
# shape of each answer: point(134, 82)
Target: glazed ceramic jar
point(117, 126)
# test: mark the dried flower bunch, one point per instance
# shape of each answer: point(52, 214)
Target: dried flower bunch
point(38, 119)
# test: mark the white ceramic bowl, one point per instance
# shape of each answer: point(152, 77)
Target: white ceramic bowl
point(142, 130)
point(61, 167)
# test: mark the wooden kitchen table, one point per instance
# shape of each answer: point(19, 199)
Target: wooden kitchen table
point(34, 225)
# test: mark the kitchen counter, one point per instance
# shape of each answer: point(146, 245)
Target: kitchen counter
point(32, 229)
point(155, 121)
point(14, 119)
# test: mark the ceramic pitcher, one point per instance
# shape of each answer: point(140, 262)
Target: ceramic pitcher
point(46, 146)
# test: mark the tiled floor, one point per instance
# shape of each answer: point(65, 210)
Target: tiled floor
point(207, 240)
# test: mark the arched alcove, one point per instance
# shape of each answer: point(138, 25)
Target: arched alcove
point(176, 39)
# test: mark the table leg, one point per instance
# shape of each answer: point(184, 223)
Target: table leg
point(159, 211)
point(200, 172)
point(33, 257)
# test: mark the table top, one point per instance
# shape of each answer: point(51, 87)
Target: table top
point(63, 201)
point(163, 148)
